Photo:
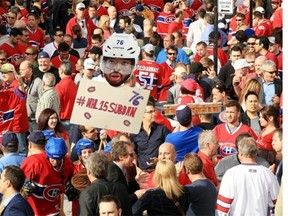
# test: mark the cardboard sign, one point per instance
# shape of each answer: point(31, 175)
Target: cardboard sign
point(100, 105)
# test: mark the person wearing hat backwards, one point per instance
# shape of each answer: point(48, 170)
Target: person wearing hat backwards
point(49, 171)
point(9, 148)
point(185, 136)
point(36, 142)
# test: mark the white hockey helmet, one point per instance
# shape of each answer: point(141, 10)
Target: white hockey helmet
point(120, 45)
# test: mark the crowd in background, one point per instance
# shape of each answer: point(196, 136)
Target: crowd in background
point(178, 164)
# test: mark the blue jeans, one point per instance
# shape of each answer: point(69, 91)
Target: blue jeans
point(22, 146)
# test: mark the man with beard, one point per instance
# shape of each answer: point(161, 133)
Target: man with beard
point(120, 55)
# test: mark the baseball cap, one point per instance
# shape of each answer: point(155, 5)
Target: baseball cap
point(139, 7)
point(272, 40)
point(7, 67)
point(183, 114)
point(196, 67)
point(189, 84)
point(80, 6)
point(9, 139)
point(249, 32)
point(241, 63)
point(260, 9)
point(96, 50)
point(277, 1)
point(149, 48)
point(37, 137)
point(89, 64)
point(43, 54)
point(179, 71)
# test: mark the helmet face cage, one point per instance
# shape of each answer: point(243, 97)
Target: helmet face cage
point(84, 144)
point(122, 46)
point(56, 148)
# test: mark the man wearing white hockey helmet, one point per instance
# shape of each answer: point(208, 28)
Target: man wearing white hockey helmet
point(120, 56)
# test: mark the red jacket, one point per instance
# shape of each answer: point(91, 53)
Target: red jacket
point(89, 24)
point(66, 90)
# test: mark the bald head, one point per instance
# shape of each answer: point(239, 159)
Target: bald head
point(112, 12)
point(26, 69)
point(167, 151)
point(258, 64)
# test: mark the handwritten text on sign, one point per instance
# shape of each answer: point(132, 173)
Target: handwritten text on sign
point(100, 105)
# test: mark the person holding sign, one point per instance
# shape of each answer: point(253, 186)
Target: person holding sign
point(120, 56)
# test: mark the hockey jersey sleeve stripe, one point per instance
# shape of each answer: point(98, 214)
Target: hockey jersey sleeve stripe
point(222, 209)
point(225, 199)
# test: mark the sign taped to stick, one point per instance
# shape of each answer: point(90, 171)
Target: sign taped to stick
point(100, 105)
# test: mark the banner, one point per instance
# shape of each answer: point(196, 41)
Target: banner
point(100, 105)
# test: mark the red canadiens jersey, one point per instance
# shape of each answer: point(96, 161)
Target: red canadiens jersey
point(13, 53)
point(226, 138)
point(156, 6)
point(36, 37)
point(222, 56)
point(56, 61)
point(163, 21)
point(263, 29)
point(45, 199)
point(10, 107)
point(123, 6)
point(188, 14)
point(277, 18)
point(149, 75)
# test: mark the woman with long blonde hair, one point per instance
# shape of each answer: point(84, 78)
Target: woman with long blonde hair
point(104, 23)
point(168, 198)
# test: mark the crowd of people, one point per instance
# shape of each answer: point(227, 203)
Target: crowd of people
point(227, 162)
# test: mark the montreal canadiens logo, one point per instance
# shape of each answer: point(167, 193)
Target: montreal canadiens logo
point(51, 192)
point(169, 19)
point(155, 8)
point(227, 149)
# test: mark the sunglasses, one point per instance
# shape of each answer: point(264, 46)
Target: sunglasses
point(60, 35)
point(271, 72)
point(251, 44)
point(29, 54)
point(2, 59)
point(11, 17)
point(239, 20)
point(172, 53)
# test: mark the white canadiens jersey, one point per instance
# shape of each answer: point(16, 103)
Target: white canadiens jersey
point(247, 189)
